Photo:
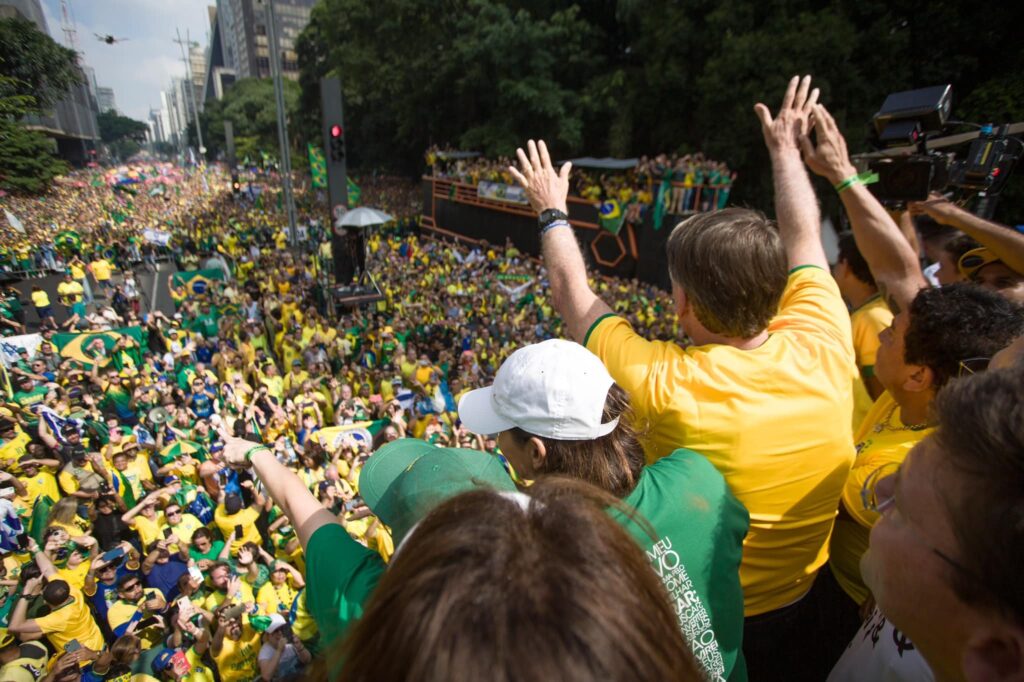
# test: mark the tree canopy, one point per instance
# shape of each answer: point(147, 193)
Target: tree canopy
point(251, 107)
point(621, 77)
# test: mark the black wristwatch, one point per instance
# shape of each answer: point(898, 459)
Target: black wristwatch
point(548, 216)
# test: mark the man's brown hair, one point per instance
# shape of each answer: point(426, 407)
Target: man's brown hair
point(981, 435)
point(732, 267)
point(484, 589)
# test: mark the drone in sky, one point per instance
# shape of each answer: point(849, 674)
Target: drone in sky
point(109, 39)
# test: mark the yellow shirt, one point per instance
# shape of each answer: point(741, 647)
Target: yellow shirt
point(774, 420)
point(121, 613)
point(246, 518)
point(881, 439)
point(272, 597)
point(70, 291)
point(149, 531)
point(216, 598)
point(237, 661)
point(72, 621)
point(100, 270)
point(40, 299)
point(43, 483)
point(75, 576)
point(867, 322)
point(77, 271)
point(188, 525)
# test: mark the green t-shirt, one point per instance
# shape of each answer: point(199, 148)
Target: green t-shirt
point(700, 528)
point(340, 576)
point(215, 548)
point(27, 399)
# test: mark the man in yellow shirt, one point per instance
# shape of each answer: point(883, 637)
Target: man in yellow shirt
point(146, 520)
point(230, 516)
point(765, 392)
point(100, 269)
point(133, 610)
point(68, 620)
point(235, 648)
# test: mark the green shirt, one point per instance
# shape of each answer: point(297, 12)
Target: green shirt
point(215, 548)
point(340, 576)
point(700, 528)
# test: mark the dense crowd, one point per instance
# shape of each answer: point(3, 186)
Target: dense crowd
point(674, 184)
point(781, 471)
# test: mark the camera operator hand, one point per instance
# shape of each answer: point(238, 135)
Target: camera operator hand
point(829, 158)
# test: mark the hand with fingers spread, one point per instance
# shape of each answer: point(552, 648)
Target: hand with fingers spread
point(782, 133)
point(545, 187)
point(828, 157)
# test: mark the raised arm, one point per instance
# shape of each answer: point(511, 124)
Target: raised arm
point(1006, 243)
point(891, 258)
point(546, 189)
point(284, 487)
point(796, 205)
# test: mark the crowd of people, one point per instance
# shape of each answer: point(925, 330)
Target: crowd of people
point(672, 184)
point(781, 470)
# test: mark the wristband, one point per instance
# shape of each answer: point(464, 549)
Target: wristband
point(867, 178)
point(248, 453)
point(551, 226)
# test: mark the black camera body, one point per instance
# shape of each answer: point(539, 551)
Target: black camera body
point(910, 118)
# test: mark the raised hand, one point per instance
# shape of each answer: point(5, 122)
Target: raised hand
point(545, 187)
point(783, 132)
point(829, 157)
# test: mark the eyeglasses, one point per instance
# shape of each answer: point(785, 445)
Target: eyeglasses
point(973, 366)
point(878, 494)
point(175, 512)
point(129, 588)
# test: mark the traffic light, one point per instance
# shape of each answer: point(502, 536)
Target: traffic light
point(236, 185)
point(337, 145)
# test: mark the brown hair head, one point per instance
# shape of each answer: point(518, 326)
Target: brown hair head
point(732, 266)
point(485, 589)
point(612, 463)
point(981, 436)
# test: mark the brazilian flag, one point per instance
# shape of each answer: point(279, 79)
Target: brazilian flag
point(68, 241)
point(197, 282)
point(611, 216)
point(317, 166)
point(98, 348)
point(354, 193)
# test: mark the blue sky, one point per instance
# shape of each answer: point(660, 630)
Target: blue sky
point(141, 67)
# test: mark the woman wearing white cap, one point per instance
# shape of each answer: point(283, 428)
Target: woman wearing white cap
point(558, 411)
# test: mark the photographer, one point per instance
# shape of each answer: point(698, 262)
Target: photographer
point(282, 656)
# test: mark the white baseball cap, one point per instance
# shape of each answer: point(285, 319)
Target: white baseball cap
point(555, 389)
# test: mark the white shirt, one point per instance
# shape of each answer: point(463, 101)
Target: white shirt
point(880, 653)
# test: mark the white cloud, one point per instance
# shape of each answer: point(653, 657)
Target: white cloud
point(140, 67)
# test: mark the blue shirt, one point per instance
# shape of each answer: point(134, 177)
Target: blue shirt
point(164, 577)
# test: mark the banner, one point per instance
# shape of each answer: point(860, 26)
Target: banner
point(499, 191)
point(14, 222)
point(611, 216)
point(317, 166)
point(156, 236)
point(197, 282)
point(89, 348)
point(10, 345)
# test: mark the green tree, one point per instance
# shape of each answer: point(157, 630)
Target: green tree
point(35, 72)
point(115, 127)
point(252, 108)
point(35, 64)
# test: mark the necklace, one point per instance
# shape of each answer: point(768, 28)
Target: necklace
point(886, 424)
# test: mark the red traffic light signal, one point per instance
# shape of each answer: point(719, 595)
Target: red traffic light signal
point(336, 130)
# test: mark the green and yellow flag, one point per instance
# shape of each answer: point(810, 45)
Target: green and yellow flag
point(197, 282)
point(611, 216)
point(354, 193)
point(317, 166)
point(101, 348)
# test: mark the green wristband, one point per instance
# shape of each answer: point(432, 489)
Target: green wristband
point(867, 178)
point(248, 453)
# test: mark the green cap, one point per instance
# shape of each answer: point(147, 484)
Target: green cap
point(405, 479)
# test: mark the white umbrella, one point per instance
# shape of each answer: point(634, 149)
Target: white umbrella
point(364, 217)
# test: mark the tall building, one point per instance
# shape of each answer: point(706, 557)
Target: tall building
point(105, 99)
point(197, 66)
point(71, 123)
point(239, 44)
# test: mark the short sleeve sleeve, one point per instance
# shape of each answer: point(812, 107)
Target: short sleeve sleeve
point(627, 356)
point(811, 302)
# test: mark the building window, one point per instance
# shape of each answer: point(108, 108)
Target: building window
point(261, 30)
point(263, 64)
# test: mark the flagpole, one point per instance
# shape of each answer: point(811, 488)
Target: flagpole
point(282, 123)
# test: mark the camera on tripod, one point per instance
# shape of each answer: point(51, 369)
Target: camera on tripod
point(913, 117)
